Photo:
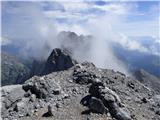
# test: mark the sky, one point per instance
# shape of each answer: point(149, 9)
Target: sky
point(137, 18)
point(31, 25)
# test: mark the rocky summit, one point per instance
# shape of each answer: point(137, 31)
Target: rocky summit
point(57, 61)
point(79, 91)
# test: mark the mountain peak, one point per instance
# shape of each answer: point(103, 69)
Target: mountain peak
point(58, 60)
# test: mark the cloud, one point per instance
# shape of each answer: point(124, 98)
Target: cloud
point(74, 6)
point(24, 24)
point(101, 52)
point(76, 28)
point(35, 25)
point(131, 44)
point(118, 8)
point(5, 41)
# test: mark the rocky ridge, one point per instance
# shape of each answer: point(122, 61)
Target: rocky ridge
point(148, 80)
point(57, 61)
point(79, 92)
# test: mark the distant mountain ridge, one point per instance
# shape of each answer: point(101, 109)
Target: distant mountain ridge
point(12, 69)
point(72, 44)
point(135, 60)
point(148, 79)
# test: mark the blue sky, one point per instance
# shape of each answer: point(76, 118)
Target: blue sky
point(129, 18)
point(33, 26)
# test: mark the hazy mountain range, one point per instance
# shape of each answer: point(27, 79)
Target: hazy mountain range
point(133, 59)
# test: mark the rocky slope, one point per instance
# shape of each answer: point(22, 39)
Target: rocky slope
point(13, 70)
point(148, 80)
point(80, 92)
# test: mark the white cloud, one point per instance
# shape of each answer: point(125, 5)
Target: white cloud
point(27, 28)
point(37, 26)
point(74, 14)
point(78, 29)
point(73, 6)
point(124, 10)
point(117, 8)
point(131, 44)
point(67, 16)
point(5, 41)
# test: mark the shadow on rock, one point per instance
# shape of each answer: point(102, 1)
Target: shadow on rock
point(102, 100)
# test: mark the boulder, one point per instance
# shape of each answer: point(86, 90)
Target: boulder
point(21, 106)
point(42, 88)
point(107, 98)
point(85, 100)
point(117, 112)
point(98, 89)
point(33, 98)
point(122, 115)
point(82, 76)
point(110, 95)
point(95, 89)
point(50, 110)
point(11, 94)
point(97, 105)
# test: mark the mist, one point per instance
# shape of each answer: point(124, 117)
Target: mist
point(101, 52)
point(37, 36)
point(28, 29)
point(35, 32)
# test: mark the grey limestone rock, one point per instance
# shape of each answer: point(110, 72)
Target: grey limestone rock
point(41, 88)
point(97, 105)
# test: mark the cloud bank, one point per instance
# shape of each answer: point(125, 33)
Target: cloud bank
point(33, 26)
